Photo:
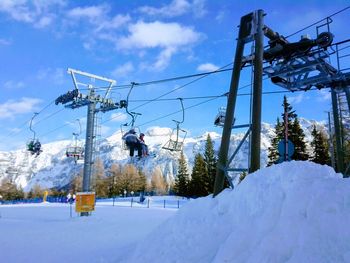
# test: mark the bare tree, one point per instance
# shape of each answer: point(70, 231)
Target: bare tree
point(158, 183)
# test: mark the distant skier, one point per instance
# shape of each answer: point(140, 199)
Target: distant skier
point(133, 142)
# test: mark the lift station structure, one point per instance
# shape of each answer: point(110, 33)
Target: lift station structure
point(294, 66)
point(97, 100)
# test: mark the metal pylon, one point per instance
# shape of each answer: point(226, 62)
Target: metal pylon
point(251, 28)
point(344, 115)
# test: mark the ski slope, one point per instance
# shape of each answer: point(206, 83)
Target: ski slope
point(291, 212)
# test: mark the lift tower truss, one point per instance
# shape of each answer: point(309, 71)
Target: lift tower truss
point(295, 66)
point(97, 100)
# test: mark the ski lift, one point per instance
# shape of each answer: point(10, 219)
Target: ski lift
point(128, 126)
point(75, 150)
point(178, 135)
point(34, 146)
point(220, 117)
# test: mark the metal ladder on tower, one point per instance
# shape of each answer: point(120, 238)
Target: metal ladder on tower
point(344, 115)
point(96, 147)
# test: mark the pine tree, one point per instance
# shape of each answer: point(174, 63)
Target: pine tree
point(141, 181)
point(210, 162)
point(272, 150)
point(298, 138)
point(320, 147)
point(199, 183)
point(182, 179)
point(295, 135)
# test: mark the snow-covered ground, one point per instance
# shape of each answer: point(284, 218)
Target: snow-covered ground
point(47, 233)
point(291, 212)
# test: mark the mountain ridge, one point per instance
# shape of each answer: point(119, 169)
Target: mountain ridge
point(52, 169)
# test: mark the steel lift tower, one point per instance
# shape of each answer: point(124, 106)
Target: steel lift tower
point(95, 103)
point(296, 66)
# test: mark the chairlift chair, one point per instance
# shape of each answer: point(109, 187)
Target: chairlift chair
point(126, 127)
point(75, 150)
point(34, 146)
point(177, 139)
point(220, 117)
point(178, 135)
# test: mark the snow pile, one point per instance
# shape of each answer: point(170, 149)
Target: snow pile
point(291, 212)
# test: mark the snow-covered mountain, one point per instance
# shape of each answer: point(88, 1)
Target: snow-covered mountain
point(53, 169)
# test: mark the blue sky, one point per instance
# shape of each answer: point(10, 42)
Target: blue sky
point(138, 41)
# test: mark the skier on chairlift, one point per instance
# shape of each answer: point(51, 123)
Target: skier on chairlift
point(133, 142)
point(34, 147)
point(143, 145)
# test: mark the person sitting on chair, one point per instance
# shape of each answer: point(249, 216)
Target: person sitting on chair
point(143, 145)
point(37, 147)
point(31, 146)
point(133, 142)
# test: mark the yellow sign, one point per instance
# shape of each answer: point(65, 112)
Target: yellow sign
point(46, 193)
point(85, 202)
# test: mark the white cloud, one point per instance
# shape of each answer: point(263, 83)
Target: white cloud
point(324, 95)
point(105, 130)
point(11, 108)
point(44, 22)
point(199, 8)
point(15, 130)
point(98, 20)
point(175, 8)
point(13, 85)
point(116, 22)
point(207, 67)
point(158, 34)
point(18, 10)
point(163, 58)
point(57, 75)
point(88, 45)
point(170, 37)
point(4, 42)
point(220, 16)
point(297, 99)
point(36, 12)
point(122, 70)
point(117, 117)
point(90, 12)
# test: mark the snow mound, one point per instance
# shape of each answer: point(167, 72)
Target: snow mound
point(290, 212)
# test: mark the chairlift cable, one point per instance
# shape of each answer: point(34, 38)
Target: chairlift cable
point(25, 123)
point(167, 115)
point(127, 86)
point(49, 116)
point(60, 127)
point(173, 90)
point(215, 97)
point(319, 21)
